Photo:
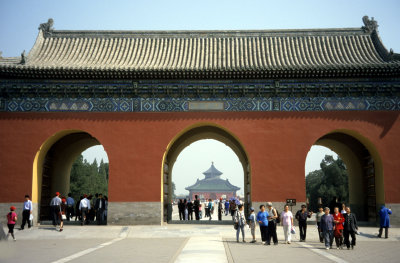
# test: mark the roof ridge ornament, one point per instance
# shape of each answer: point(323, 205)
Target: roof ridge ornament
point(370, 25)
point(23, 58)
point(47, 27)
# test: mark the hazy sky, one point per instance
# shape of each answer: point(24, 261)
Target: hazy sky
point(19, 21)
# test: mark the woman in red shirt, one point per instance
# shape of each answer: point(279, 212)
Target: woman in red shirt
point(338, 219)
point(11, 220)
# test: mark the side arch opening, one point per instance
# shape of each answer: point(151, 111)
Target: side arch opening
point(52, 167)
point(364, 168)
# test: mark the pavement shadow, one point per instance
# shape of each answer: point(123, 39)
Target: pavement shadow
point(368, 235)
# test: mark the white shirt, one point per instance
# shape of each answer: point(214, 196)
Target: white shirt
point(84, 204)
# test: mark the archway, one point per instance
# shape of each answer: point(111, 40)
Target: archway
point(364, 168)
point(187, 137)
point(52, 166)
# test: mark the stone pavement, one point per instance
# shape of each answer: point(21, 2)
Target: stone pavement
point(183, 243)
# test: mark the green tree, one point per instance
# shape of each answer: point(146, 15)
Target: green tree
point(88, 178)
point(328, 182)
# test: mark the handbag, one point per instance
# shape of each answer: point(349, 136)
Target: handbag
point(278, 217)
point(236, 226)
point(293, 230)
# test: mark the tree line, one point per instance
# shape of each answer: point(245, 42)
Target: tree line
point(327, 183)
point(88, 178)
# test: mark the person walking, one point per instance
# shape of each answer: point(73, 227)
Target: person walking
point(350, 228)
point(26, 212)
point(210, 209)
point(232, 207)
point(301, 217)
point(70, 207)
point(185, 210)
point(287, 223)
point(11, 221)
point(240, 220)
point(196, 206)
point(327, 226)
point(55, 208)
point(181, 210)
point(84, 207)
point(262, 218)
point(252, 224)
point(220, 209)
point(99, 209)
point(78, 214)
point(273, 215)
point(190, 210)
point(384, 221)
point(338, 233)
point(318, 219)
point(226, 207)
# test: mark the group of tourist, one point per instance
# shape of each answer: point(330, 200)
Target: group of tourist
point(89, 208)
point(338, 225)
point(186, 208)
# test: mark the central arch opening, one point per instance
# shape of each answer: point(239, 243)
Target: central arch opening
point(188, 137)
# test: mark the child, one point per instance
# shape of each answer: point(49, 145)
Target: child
point(252, 224)
point(11, 220)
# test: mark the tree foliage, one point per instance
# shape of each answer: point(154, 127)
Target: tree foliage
point(88, 178)
point(328, 182)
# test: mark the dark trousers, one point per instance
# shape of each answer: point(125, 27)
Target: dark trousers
point(196, 213)
point(272, 232)
point(69, 212)
point(190, 215)
point(181, 214)
point(348, 233)
point(303, 230)
point(386, 232)
point(25, 218)
point(219, 214)
point(55, 210)
point(264, 233)
point(320, 233)
point(84, 214)
point(100, 216)
point(339, 238)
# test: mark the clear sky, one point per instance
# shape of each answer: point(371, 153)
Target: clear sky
point(19, 21)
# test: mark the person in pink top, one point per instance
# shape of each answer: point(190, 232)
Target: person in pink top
point(11, 220)
point(287, 223)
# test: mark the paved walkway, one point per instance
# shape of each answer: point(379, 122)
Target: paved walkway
point(183, 243)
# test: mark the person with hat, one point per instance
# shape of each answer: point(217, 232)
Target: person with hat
point(26, 212)
point(273, 215)
point(55, 208)
point(84, 207)
point(11, 221)
point(301, 217)
point(252, 223)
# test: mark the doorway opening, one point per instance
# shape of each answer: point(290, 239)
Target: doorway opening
point(360, 159)
point(53, 165)
point(211, 170)
point(192, 135)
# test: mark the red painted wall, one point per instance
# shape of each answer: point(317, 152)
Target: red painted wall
point(277, 144)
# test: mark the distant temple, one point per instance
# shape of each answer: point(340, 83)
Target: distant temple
point(212, 186)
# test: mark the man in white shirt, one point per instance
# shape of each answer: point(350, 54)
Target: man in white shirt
point(26, 212)
point(84, 207)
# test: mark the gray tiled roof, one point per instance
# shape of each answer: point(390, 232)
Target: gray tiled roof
point(216, 54)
